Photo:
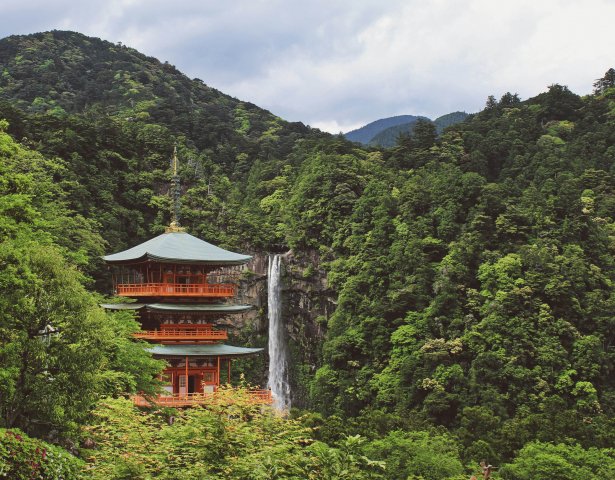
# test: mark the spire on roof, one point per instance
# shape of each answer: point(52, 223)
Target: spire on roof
point(176, 194)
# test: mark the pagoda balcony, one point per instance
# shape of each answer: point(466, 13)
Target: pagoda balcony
point(175, 335)
point(217, 290)
point(254, 397)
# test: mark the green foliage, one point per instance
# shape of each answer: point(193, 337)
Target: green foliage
point(34, 201)
point(417, 455)
point(58, 349)
point(123, 112)
point(233, 440)
point(49, 325)
point(475, 288)
point(606, 82)
point(322, 198)
point(25, 458)
point(544, 461)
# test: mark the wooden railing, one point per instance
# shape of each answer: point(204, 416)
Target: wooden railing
point(190, 399)
point(261, 396)
point(182, 334)
point(176, 289)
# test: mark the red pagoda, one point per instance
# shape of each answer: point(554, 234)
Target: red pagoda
point(183, 287)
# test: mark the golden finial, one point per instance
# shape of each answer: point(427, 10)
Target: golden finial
point(174, 228)
point(176, 193)
point(174, 161)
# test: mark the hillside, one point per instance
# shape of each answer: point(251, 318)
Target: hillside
point(447, 300)
point(124, 112)
point(367, 132)
point(389, 137)
point(449, 119)
point(386, 131)
point(65, 72)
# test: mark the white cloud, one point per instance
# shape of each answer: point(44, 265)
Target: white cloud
point(337, 65)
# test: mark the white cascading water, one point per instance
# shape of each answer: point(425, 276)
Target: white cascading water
point(278, 362)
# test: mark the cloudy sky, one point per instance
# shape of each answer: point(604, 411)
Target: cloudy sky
point(338, 64)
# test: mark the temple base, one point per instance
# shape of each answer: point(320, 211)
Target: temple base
point(218, 397)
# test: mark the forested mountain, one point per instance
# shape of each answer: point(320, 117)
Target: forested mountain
point(66, 72)
point(114, 114)
point(367, 132)
point(389, 136)
point(449, 119)
point(386, 132)
point(469, 277)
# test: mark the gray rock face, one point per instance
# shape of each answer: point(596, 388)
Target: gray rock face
point(307, 305)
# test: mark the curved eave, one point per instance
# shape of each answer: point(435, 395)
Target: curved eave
point(169, 307)
point(206, 350)
point(188, 261)
point(177, 247)
point(122, 306)
point(179, 307)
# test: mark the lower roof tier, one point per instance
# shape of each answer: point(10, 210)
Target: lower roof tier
point(205, 350)
point(179, 307)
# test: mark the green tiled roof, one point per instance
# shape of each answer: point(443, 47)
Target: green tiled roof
point(209, 350)
point(178, 247)
point(122, 306)
point(179, 307)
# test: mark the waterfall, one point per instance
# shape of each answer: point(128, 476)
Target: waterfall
point(278, 363)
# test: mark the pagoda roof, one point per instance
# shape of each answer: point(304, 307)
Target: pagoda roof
point(178, 247)
point(179, 307)
point(203, 350)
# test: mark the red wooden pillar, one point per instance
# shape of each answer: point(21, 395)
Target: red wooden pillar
point(228, 376)
point(186, 392)
point(218, 377)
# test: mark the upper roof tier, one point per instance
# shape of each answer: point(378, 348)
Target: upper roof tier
point(203, 350)
point(178, 247)
point(180, 307)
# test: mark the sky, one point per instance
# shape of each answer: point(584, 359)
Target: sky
point(340, 64)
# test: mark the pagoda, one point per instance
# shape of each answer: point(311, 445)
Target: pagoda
point(183, 288)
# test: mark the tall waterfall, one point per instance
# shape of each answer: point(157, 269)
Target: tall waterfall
point(278, 358)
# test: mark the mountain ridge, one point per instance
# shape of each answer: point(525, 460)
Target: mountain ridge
point(123, 110)
point(385, 131)
point(365, 133)
point(76, 73)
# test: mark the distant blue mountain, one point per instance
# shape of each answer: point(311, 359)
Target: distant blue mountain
point(388, 136)
point(384, 132)
point(369, 131)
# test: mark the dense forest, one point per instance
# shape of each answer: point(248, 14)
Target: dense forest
point(472, 274)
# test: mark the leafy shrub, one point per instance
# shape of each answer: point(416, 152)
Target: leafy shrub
point(26, 458)
point(417, 455)
point(546, 461)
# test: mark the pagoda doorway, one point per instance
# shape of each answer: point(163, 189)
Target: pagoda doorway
point(190, 384)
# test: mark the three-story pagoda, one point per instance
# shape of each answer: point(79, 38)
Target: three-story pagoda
point(182, 287)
